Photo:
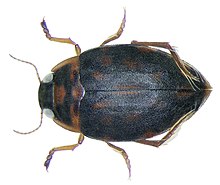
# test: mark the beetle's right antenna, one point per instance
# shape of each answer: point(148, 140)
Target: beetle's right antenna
point(38, 76)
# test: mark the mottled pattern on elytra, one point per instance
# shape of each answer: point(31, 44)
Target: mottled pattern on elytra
point(132, 92)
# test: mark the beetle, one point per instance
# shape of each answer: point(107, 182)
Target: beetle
point(126, 92)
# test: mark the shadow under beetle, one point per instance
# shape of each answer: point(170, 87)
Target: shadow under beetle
point(128, 92)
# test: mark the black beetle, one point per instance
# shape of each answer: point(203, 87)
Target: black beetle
point(128, 92)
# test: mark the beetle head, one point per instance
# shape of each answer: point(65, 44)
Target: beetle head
point(45, 95)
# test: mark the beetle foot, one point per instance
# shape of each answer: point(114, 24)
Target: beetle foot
point(49, 157)
point(45, 29)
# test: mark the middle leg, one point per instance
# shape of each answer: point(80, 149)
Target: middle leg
point(119, 32)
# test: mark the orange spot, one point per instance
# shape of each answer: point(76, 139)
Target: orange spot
point(105, 49)
point(106, 61)
point(98, 76)
point(106, 120)
point(60, 94)
point(149, 134)
point(100, 105)
point(75, 66)
point(125, 92)
point(77, 92)
point(107, 138)
point(73, 73)
point(144, 49)
point(181, 94)
point(130, 64)
point(74, 117)
point(127, 87)
point(133, 117)
point(158, 75)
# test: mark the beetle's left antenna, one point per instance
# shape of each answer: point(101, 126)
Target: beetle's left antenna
point(41, 118)
point(38, 76)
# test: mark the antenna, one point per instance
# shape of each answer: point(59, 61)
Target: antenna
point(38, 76)
point(41, 118)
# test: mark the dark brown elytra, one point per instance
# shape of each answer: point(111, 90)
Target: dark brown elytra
point(128, 92)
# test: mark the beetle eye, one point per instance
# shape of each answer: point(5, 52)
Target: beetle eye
point(49, 113)
point(48, 78)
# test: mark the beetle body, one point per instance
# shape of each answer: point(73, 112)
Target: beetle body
point(121, 93)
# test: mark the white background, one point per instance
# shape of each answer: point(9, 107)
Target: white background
point(192, 26)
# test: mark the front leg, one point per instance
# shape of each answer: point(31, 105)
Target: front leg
point(69, 147)
point(62, 40)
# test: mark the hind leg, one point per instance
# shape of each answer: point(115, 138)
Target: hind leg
point(170, 133)
point(124, 155)
point(176, 58)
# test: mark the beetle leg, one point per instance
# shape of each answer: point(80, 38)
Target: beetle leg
point(176, 58)
point(119, 32)
point(69, 147)
point(124, 154)
point(62, 40)
point(170, 134)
